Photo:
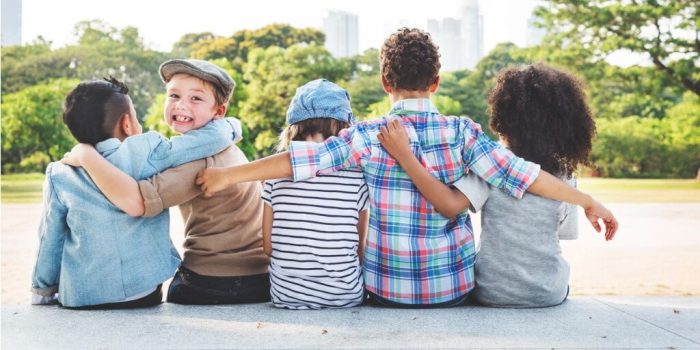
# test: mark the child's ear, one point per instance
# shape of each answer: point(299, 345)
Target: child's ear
point(435, 85)
point(128, 128)
point(386, 86)
point(220, 111)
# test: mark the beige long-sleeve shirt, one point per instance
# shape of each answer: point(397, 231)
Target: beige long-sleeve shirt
point(223, 234)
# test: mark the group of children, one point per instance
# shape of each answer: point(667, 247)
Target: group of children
point(350, 210)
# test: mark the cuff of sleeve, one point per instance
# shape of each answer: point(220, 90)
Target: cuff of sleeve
point(153, 205)
point(527, 176)
point(45, 292)
point(237, 129)
point(303, 157)
point(475, 189)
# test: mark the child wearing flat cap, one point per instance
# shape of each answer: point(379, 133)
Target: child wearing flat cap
point(223, 261)
point(314, 230)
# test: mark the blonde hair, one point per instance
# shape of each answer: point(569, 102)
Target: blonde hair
point(300, 131)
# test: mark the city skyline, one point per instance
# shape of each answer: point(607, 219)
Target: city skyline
point(375, 20)
point(341, 30)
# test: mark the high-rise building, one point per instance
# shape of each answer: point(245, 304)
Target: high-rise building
point(447, 34)
point(11, 30)
point(535, 34)
point(341, 33)
point(472, 31)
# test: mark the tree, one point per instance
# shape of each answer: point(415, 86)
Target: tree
point(32, 126)
point(664, 30)
point(274, 74)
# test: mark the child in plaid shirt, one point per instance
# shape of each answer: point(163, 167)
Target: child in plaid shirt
point(414, 256)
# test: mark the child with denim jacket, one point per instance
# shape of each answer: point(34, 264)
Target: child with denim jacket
point(223, 261)
point(314, 230)
point(90, 253)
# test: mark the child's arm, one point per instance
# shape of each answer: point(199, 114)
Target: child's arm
point(362, 226)
point(267, 230)
point(275, 166)
point(449, 202)
point(304, 160)
point(52, 235)
point(120, 188)
point(546, 185)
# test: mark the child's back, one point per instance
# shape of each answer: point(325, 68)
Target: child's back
point(314, 262)
point(313, 230)
point(90, 252)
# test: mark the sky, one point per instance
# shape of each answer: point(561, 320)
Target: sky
point(161, 23)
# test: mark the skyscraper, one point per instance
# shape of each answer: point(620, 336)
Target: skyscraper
point(447, 34)
point(11, 22)
point(472, 31)
point(341, 33)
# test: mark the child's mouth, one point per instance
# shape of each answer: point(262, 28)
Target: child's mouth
point(182, 119)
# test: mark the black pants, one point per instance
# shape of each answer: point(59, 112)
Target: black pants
point(152, 299)
point(188, 287)
point(379, 301)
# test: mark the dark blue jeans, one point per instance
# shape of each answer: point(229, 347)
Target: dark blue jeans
point(379, 301)
point(188, 287)
point(152, 299)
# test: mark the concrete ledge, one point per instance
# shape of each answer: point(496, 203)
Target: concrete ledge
point(581, 322)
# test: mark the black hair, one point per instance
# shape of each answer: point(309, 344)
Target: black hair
point(92, 109)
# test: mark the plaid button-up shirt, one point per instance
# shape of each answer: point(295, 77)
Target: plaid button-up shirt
point(413, 254)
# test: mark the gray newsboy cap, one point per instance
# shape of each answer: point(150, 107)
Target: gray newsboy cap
point(204, 70)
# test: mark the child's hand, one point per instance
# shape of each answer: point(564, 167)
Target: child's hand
point(77, 154)
point(212, 180)
point(395, 140)
point(597, 211)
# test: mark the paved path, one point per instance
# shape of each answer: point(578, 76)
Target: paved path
point(581, 322)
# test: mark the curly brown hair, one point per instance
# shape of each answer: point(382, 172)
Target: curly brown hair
point(409, 60)
point(544, 117)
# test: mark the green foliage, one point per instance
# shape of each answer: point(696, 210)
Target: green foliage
point(33, 132)
point(274, 74)
point(645, 147)
point(664, 30)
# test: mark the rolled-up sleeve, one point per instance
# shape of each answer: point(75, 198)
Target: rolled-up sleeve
point(336, 153)
point(497, 165)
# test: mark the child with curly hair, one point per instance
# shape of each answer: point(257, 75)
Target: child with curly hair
point(540, 114)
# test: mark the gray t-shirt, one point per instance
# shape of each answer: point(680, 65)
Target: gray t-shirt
point(520, 262)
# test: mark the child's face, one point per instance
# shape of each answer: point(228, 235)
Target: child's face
point(190, 103)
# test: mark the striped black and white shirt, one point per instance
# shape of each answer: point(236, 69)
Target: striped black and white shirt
point(314, 261)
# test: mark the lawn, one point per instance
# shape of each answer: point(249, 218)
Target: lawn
point(26, 188)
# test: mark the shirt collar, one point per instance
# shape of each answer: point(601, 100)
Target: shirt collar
point(107, 146)
point(413, 106)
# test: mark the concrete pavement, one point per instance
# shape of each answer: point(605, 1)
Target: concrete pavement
point(581, 322)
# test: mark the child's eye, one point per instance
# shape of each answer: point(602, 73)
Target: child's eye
point(196, 98)
point(173, 96)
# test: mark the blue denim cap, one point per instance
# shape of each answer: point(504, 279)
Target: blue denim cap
point(320, 99)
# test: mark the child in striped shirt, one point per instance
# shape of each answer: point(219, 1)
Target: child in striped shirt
point(314, 230)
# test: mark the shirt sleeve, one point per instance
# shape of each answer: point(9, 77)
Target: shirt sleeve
point(172, 187)
point(206, 141)
point(495, 164)
point(267, 193)
point(337, 153)
point(52, 235)
point(475, 189)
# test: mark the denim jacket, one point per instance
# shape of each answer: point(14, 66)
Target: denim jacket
point(90, 252)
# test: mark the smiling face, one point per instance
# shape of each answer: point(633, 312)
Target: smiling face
point(190, 103)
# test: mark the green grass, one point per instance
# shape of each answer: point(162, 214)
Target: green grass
point(26, 188)
point(22, 188)
point(641, 190)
